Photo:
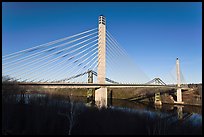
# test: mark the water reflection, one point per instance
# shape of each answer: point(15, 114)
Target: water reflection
point(172, 113)
point(180, 112)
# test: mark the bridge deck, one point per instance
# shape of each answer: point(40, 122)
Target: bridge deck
point(95, 85)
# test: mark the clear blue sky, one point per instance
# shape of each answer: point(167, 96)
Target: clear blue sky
point(153, 34)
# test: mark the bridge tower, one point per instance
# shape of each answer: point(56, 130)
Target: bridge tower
point(90, 92)
point(101, 93)
point(179, 94)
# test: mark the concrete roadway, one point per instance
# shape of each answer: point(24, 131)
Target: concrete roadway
point(92, 85)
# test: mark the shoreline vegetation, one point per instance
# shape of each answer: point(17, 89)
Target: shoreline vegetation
point(58, 112)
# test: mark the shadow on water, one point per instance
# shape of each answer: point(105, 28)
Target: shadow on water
point(48, 114)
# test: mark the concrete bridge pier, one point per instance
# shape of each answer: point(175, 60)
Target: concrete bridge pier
point(179, 95)
point(110, 101)
point(157, 100)
point(101, 97)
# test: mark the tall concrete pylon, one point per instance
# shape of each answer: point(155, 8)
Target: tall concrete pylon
point(101, 93)
point(179, 94)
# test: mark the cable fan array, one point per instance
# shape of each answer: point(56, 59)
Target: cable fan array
point(120, 66)
point(54, 61)
point(171, 78)
point(69, 59)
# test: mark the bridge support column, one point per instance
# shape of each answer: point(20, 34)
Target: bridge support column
point(101, 94)
point(157, 100)
point(101, 97)
point(90, 92)
point(110, 101)
point(179, 95)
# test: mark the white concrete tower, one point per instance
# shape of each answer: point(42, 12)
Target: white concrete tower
point(178, 72)
point(179, 94)
point(101, 93)
point(101, 50)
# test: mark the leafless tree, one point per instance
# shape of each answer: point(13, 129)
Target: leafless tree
point(72, 113)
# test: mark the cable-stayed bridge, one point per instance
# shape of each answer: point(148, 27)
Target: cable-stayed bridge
point(68, 61)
